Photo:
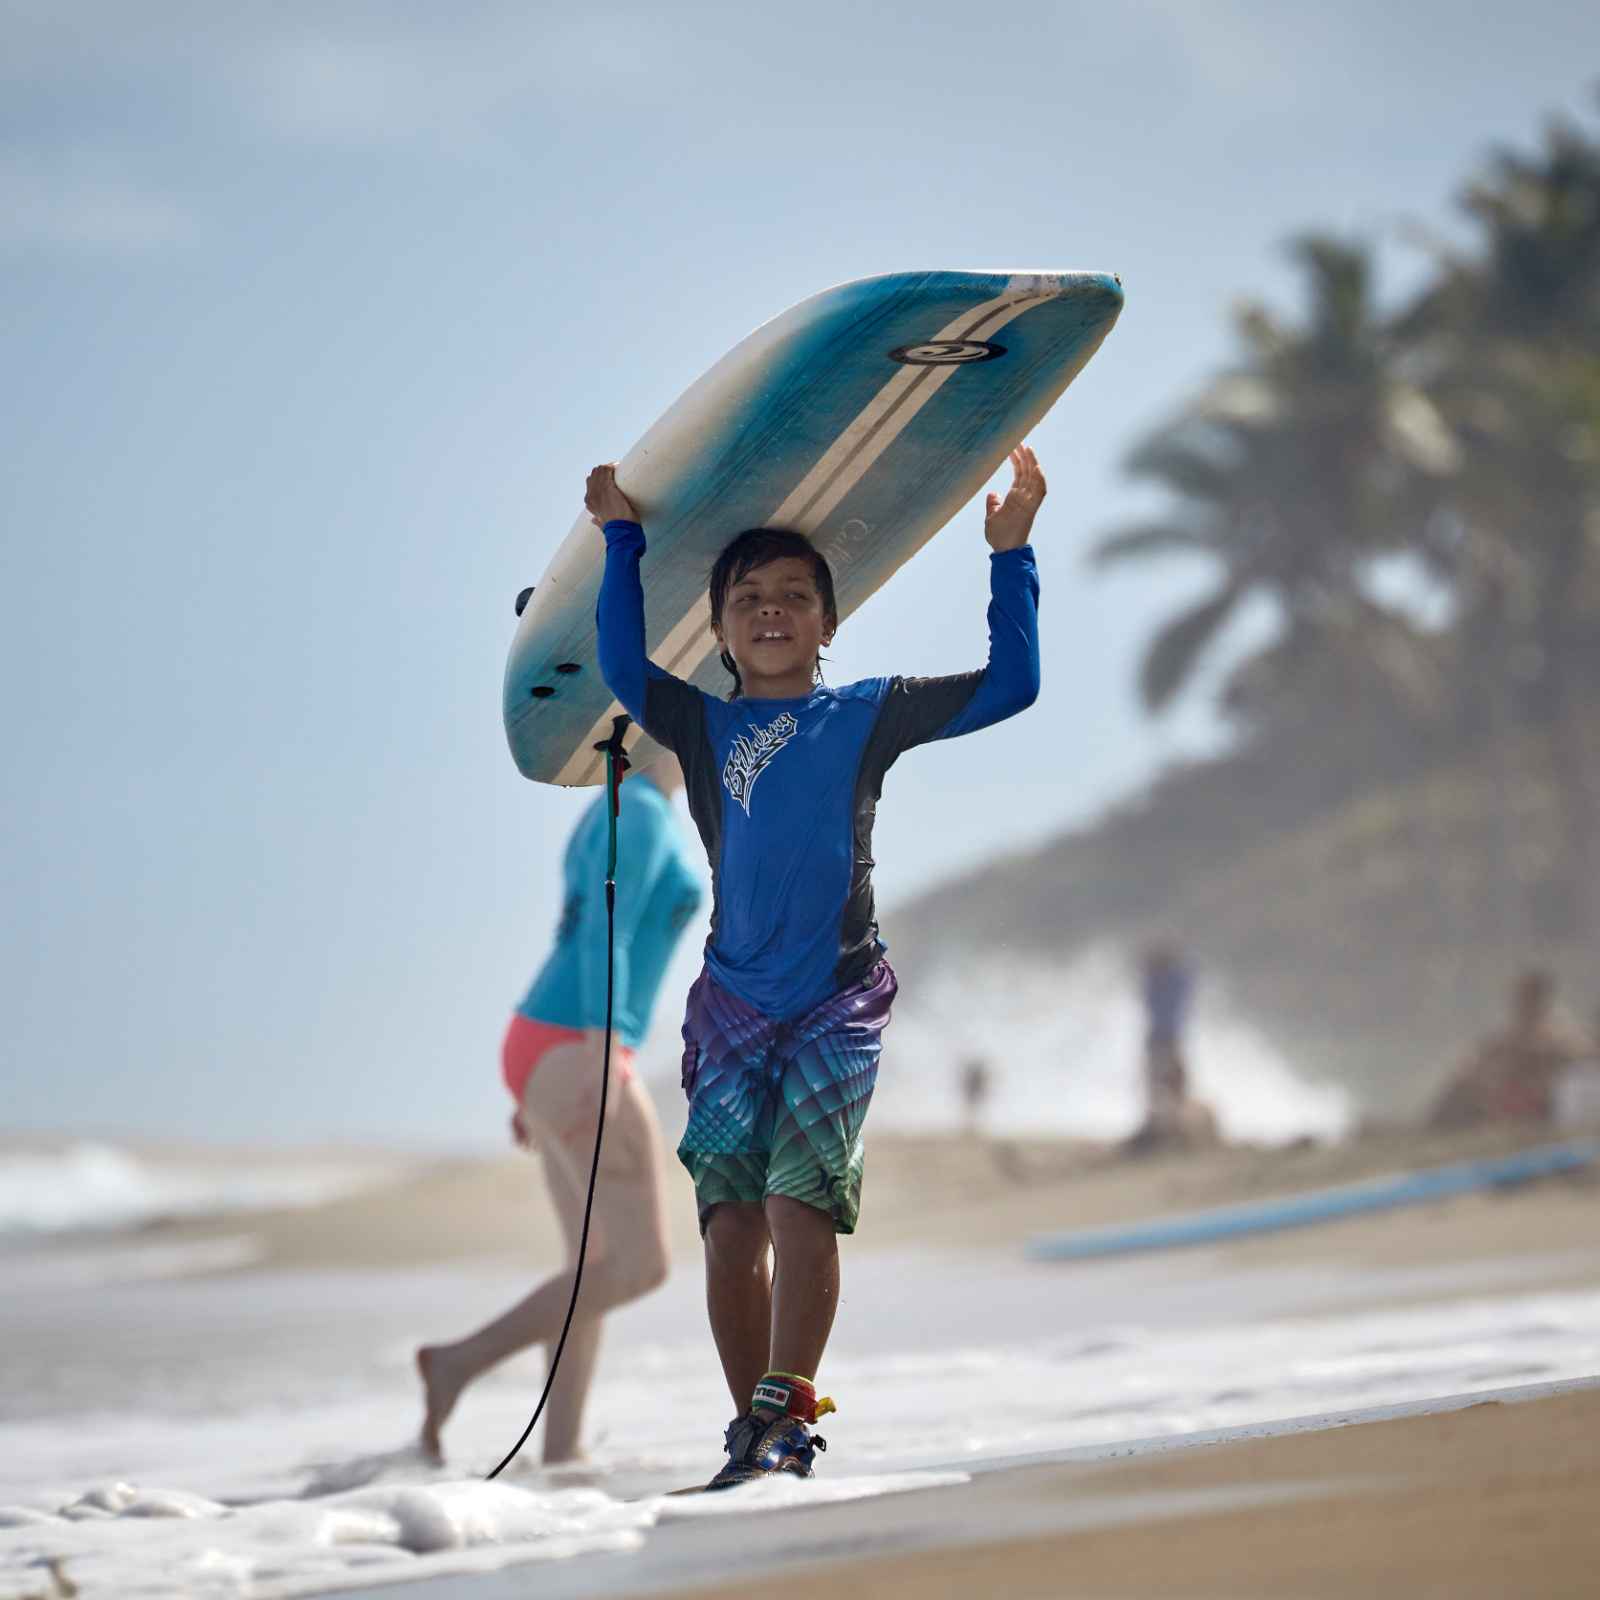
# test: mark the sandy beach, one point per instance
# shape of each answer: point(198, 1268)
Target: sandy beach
point(938, 1191)
point(233, 1391)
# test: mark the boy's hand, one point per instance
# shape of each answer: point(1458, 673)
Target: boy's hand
point(1007, 525)
point(606, 502)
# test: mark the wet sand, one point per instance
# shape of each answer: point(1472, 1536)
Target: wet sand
point(1494, 1501)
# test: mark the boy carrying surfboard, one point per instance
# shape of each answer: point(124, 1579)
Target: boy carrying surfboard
point(784, 1026)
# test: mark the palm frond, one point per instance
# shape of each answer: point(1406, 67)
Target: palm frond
point(1172, 655)
point(1144, 539)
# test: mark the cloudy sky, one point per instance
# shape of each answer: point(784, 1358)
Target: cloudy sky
point(315, 316)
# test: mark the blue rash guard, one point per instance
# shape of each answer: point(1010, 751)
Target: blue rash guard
point(657, 894)
point(784, 792)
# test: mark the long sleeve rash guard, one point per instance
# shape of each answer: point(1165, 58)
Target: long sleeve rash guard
point(784, 792)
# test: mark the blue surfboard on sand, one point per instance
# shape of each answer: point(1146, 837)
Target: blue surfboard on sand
point(1317, 1205)
point(865, 418)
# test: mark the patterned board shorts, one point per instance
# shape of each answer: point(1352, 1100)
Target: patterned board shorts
point(778, 1107)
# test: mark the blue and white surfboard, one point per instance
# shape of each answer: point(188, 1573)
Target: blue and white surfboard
point(1316, 1205)
point(865, 418)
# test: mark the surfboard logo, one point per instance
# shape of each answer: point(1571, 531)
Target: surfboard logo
point(946, 352)
point(752, 754)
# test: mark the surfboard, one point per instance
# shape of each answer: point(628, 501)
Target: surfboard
point(864, 418)
point(1316, 1205)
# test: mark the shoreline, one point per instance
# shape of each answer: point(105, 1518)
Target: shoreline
point(1477, 1496)
point(922, 1191)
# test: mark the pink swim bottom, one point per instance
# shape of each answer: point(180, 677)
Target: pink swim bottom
point(528, 1042)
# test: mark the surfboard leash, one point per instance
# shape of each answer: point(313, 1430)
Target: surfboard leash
point(616, 765)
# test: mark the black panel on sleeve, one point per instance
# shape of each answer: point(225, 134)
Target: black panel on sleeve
point(675, 716)
point(913, 712)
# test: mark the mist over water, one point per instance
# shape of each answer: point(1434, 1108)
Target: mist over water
point(1064, 1046)
point(55, 1188)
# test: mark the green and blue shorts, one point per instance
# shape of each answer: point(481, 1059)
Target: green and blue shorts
point(777, 1108)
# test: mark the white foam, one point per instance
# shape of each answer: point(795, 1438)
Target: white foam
point(153, 1544)
point(777, 1493)
point(248, 1456)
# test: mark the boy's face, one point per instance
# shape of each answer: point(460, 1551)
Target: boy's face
point(773, 625)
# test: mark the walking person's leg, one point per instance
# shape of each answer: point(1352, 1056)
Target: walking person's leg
point(629, 1217)
point(563, 1414)
point(628, 1247)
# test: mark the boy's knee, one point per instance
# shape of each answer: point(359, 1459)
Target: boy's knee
point(795, 1225)
point(737, 1236)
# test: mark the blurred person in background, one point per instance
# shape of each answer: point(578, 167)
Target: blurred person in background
point(551, 1063)
point(1511, 1075)
point(1172, 1116)
point(1576, 1099)
point(976, 1083)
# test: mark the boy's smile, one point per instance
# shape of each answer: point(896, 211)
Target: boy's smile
point(773, 626)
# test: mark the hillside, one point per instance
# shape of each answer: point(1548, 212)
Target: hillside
point(1370, 943)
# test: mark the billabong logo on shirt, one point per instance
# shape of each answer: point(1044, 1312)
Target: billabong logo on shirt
point(752, 753)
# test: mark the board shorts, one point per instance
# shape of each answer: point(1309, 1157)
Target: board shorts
point(776, 1108)
point(528, 1042)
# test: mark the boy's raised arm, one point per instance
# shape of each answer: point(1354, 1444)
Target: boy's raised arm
point(664, 706)
point(619, 618)
point(1010, 682)
point(923, 709)
point(619, 613)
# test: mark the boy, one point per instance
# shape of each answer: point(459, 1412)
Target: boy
point(783, 1027)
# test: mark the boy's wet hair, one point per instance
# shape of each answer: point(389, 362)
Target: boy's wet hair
point(753, 548)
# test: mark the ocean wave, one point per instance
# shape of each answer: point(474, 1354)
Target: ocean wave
point(1064, 1045)
point(94, 1185)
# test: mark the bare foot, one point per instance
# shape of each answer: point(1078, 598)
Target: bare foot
point(576, 1472)
point(441, 1388)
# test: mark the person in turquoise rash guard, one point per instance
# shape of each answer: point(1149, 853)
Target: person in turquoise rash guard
point(551, 1063)
point(657, 893)
point(782, 1029)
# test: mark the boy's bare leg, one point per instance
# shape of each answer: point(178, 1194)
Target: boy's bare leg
point(805, 1291)
point(739, 1295)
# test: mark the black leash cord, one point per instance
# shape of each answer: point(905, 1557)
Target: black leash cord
point(616, 765)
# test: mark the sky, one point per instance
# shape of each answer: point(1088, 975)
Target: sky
point(316, 316)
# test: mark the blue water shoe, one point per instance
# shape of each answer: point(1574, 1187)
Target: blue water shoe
point(759, 1445)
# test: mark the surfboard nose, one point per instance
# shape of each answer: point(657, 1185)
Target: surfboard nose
point(1104, 289)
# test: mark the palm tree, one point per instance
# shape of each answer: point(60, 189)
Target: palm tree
point(1295, 473)
point(1512, 337)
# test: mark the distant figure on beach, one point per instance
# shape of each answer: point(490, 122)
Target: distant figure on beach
point(1576, 1097)
point(1173, 1118)
point(1511, 1076)
point(975, 1086)
point(551, 1062)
